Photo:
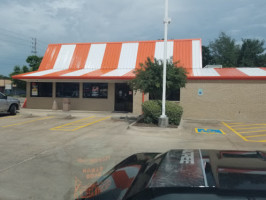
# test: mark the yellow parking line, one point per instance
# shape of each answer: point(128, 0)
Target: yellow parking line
point(26, 122)
point(253, 131)
point(250, 128)
point(9, 117)
point(247, 125)
point(92, 123)
point(68, 127)
point(255, 136)
point(75, 122)
point(235, 131)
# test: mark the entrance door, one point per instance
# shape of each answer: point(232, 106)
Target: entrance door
point(123, 97)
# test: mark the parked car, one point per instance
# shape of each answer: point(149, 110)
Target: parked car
point(184, 174)
point(9, 104)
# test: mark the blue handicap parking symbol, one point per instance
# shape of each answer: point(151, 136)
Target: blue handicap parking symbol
point(210, 131)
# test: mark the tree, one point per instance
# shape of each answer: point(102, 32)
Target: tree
point(19, 70)
point(149, 77)
point(263, 60)
point(251, 53)
point(224, 51)
point(34, 62)
point(207, 58)
point(3, 77)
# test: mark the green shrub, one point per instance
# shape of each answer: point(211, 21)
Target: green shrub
point(174, 112)
point(153, 109)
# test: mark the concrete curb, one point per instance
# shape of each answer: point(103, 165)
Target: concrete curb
point(124, 118)
point(62, 115)
point(209, 121)
point(136, 121)
point(42, 114)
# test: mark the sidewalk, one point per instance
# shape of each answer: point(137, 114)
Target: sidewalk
point(74, 113)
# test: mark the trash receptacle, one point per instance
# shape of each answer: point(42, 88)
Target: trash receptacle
point(66, 104)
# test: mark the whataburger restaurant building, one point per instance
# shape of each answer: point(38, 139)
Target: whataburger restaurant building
point(94, 77)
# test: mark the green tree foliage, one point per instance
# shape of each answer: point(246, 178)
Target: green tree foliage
point(224, 51)
point(263, 58)
point(251, 53)
point(3, 77)
point(19, 70)
point(34, 62)
point(207, 58)
point(149, 77)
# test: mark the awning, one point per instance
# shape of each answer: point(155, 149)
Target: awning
point(111, 60)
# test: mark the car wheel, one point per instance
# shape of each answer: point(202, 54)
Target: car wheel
point(13, 110)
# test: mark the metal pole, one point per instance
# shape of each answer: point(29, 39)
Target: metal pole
point(163, 121)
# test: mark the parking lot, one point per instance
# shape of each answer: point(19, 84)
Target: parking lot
point(56, 155)
point(250, 132)
point(53, 153)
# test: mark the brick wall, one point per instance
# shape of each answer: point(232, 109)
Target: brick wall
point(224, 100)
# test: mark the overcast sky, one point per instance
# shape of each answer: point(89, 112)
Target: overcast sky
point(68, 21)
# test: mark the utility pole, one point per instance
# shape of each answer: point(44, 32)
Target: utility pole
point(34, 46)
point(163, 120)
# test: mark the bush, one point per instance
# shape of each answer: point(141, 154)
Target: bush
point(153, 109)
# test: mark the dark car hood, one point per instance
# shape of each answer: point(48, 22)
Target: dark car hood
point(227, 170)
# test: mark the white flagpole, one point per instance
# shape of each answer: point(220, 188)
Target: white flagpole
point(163, 120)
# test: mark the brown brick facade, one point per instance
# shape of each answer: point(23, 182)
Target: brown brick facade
point(224, 100)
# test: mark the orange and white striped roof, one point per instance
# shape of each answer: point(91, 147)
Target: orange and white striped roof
point(228, 73)
point(111, 60)
point(118, 60)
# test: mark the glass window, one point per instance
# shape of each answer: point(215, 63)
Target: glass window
point(95, 90)
point(2, 96)
point(173, 95)
point(41, 89)
point(170, 96)
point(68, 90)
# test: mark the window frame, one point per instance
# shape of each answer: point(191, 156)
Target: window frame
point(67, 83)
point(38, 90)
point(167, 98)
point(95, 84)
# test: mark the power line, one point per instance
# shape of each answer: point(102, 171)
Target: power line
point(18, 36)
point(14, 34)
point(12, 38)
point(9, 41)
point(30, 44)
point(20, 42)
point(8, 61)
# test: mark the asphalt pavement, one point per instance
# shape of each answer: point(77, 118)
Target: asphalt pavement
point(49, 154)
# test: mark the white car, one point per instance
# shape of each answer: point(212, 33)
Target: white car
point(9, 104)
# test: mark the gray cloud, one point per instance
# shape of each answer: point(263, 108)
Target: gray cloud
point(63, 21)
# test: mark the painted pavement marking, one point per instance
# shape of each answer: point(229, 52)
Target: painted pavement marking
point(13, 116)
point(248, 132)
point(27, 122)
point(210, 131)
point(243, 125)
point(76, 125)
